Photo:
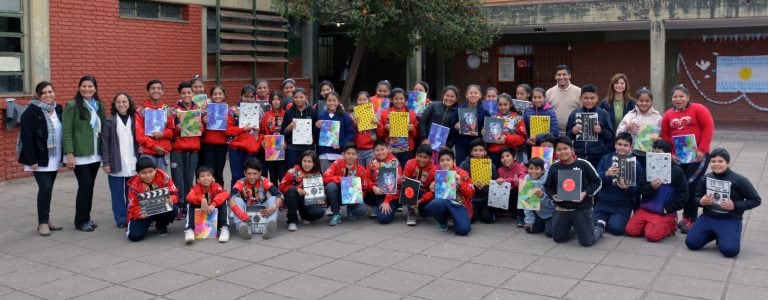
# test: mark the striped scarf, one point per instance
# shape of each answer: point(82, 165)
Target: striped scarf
point(47, 110)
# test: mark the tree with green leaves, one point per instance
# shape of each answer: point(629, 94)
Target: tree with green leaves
point(395, 28)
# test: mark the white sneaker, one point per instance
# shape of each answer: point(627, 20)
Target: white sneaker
point(292, 227)
point(224, 235)
point(269, 230)
point(189, 236)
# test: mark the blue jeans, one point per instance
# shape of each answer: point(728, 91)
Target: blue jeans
point(237, 160)
point(366, 156)
point(241, 203)
point(119, 191)
point(333, 195)
point(615, 218)
point(441, 209)
point(726, 231)
point(137, 229)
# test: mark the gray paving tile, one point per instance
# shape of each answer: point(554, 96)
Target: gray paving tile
point(264, 295)
point(34, 276)
point(634, 261)
point(578, 253)
point(139, 249)
point(510, 260)
point(68, 287)
point(750, 276)
point(592, 290)
point(323, 231)
point(364, 238)
point(124, 271)
point(331, 248)
point(28, 245)
point(164, 282)
point(212, 247)
point(709, 254)
point(257, 276)
point(445, 288)
point(87, 262)
point(297, 261)
point(752, 261)
point(210, 289)
point(377, 256)
point(738, 292)
point(535, 247)
point(696, 269)
point(254, 252)
point(643, 247)
point(560, 267)
point(290, 241)
point(406, 244)
point(427, 265)
point(5, 290)
point(396, 229)
point(8, 236)
point(115, 292)
point(396, 281)
point(481, 274)
point(686, 286)
point(478, 240)
point(502, 294)
point(358, 292)
point(534, 283)
point(661, 296)
point(18, 296)
point(10, 263)
point(100, 243)
point(621, 276)
point(305, 287)
point(427, 230)
point(453, 251)
point(344, 271)
point(212, 266)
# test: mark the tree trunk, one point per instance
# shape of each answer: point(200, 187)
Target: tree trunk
point(346, 92)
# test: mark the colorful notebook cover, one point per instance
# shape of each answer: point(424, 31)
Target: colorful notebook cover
point(409, 193)
point(206, 225)
point(302, 133)
point(217, 116)
point(250, 113)
point(364, 114)
point(467, 120)
point(525, 196)
point(190, 122)
point(379, 104)
point(491, 106)
point(417, 102)
point(658, 166)
point(480, 169)
point(685, 148)
point(539, 125)
point(587, 120)
point(498, 194)
point(445, 185)
point(154, 120)
point(387, 180)
point(201, 100)
point(569, 185)
point(644, 138)
point(438, 136)
point(351, 190)
point(398, 124)
point(494, 130)
point(273, 147)
point(329, 133)
point(545, 153)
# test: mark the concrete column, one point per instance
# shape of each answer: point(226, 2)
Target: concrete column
point(38, 65)
point(413, 68)
point(658, 52)
point(307, 53)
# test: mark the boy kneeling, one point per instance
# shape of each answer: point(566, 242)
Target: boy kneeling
point(149, 178)
point(253, 211)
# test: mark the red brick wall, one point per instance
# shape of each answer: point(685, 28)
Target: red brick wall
point(730, 115)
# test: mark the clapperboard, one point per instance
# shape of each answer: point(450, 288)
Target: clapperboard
point(314, 189)
point(627, 166)
point(257, 223)
point(155, 202)
point(587, 120)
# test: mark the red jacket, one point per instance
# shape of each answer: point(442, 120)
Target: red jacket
point(512, 139)
point(214, 137)
point(241, 140)
point(465, 190)
point(148, 143)
point(425, 175)
point(187, 143)
point(294, 177)
point(383, 133)
point(136, 186)
point(216, 195)
point(271, 122)
point(513, 174)
point(257, 191)
point(694, 119)
point(364, 140)
point(339, 169)
point(389, 162)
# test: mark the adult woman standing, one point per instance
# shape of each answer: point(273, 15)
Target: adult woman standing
point(40, 150)
point(82, 120)
point(118, 150)
point(618, 102)
point(685, 118)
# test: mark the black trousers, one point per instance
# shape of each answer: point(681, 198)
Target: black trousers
point(86, 177)
point(694, 172)
point(296, 207)
point(214, 156)
point(44, 193)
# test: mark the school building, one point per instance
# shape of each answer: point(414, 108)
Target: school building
point(126, 43)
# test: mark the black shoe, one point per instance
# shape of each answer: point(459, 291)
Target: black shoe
point(121, 226)
point(93, 224)
point(87, 227)
point(162, 231)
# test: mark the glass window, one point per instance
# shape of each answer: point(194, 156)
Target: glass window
point(10, 24)
point(150, 10)
point(10, 44)
point(10, 5)
point(11, 82)
point(170, 12)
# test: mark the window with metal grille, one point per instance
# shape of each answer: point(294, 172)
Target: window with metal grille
point(11, 47)
point(150, 10)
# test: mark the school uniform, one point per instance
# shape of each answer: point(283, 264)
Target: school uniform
point(327, 154)
point(332, 180)
point(148, 143)
point(245, 193)
point(460, 210)
point(292, 181)
point(216, 195)
point(137, 227)
point(513, 174)
point(616, 204)
point(443, 115)
point(544, 110)
point(480, 207)
point(463, 141)
point(655, 219)
point(270, 125)
point(575, 214)
point(293, 152)
point(213, 153)
point(592, 151)
point(401, 147)
point(374, 200)
point(540, 220)
point(425, 176)
point(514, 137)
point(184, 155)
point(242, 144)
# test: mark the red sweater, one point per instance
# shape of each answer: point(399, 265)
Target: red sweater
point(465, 190)
point(383, 133)
point(425, 175)
point(271, 122)
point(216, 194)
point(339, 169)
point(241, 139)
point(187, 143)
point(136, 186)
point(512, 139)
point(513, 174)
point(694, 119)
point(295, 177)
point(148, 143)
point(374, 167)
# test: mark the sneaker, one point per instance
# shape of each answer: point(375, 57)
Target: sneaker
point(411, 220)
point(601, 224)
point(269, 231)
point(350, 215)
point(374, 212)
point(328, 212)
point(224, 234)
point(687, 225)
point(182, 214)
point(245, 231)
point(519, 223)
point(442, 226)
point(335, 220)
point(189, 236)
point(305, 222)
point(162, 231)
point(292, 227)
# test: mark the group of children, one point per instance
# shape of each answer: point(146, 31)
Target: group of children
point(646, 209)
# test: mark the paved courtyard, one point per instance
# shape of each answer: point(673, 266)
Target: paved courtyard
point(364, 260)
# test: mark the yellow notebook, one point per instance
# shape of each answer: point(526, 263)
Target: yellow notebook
point(481, 170)
point(398, 124)
point(539, 125)
point(364, 114)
